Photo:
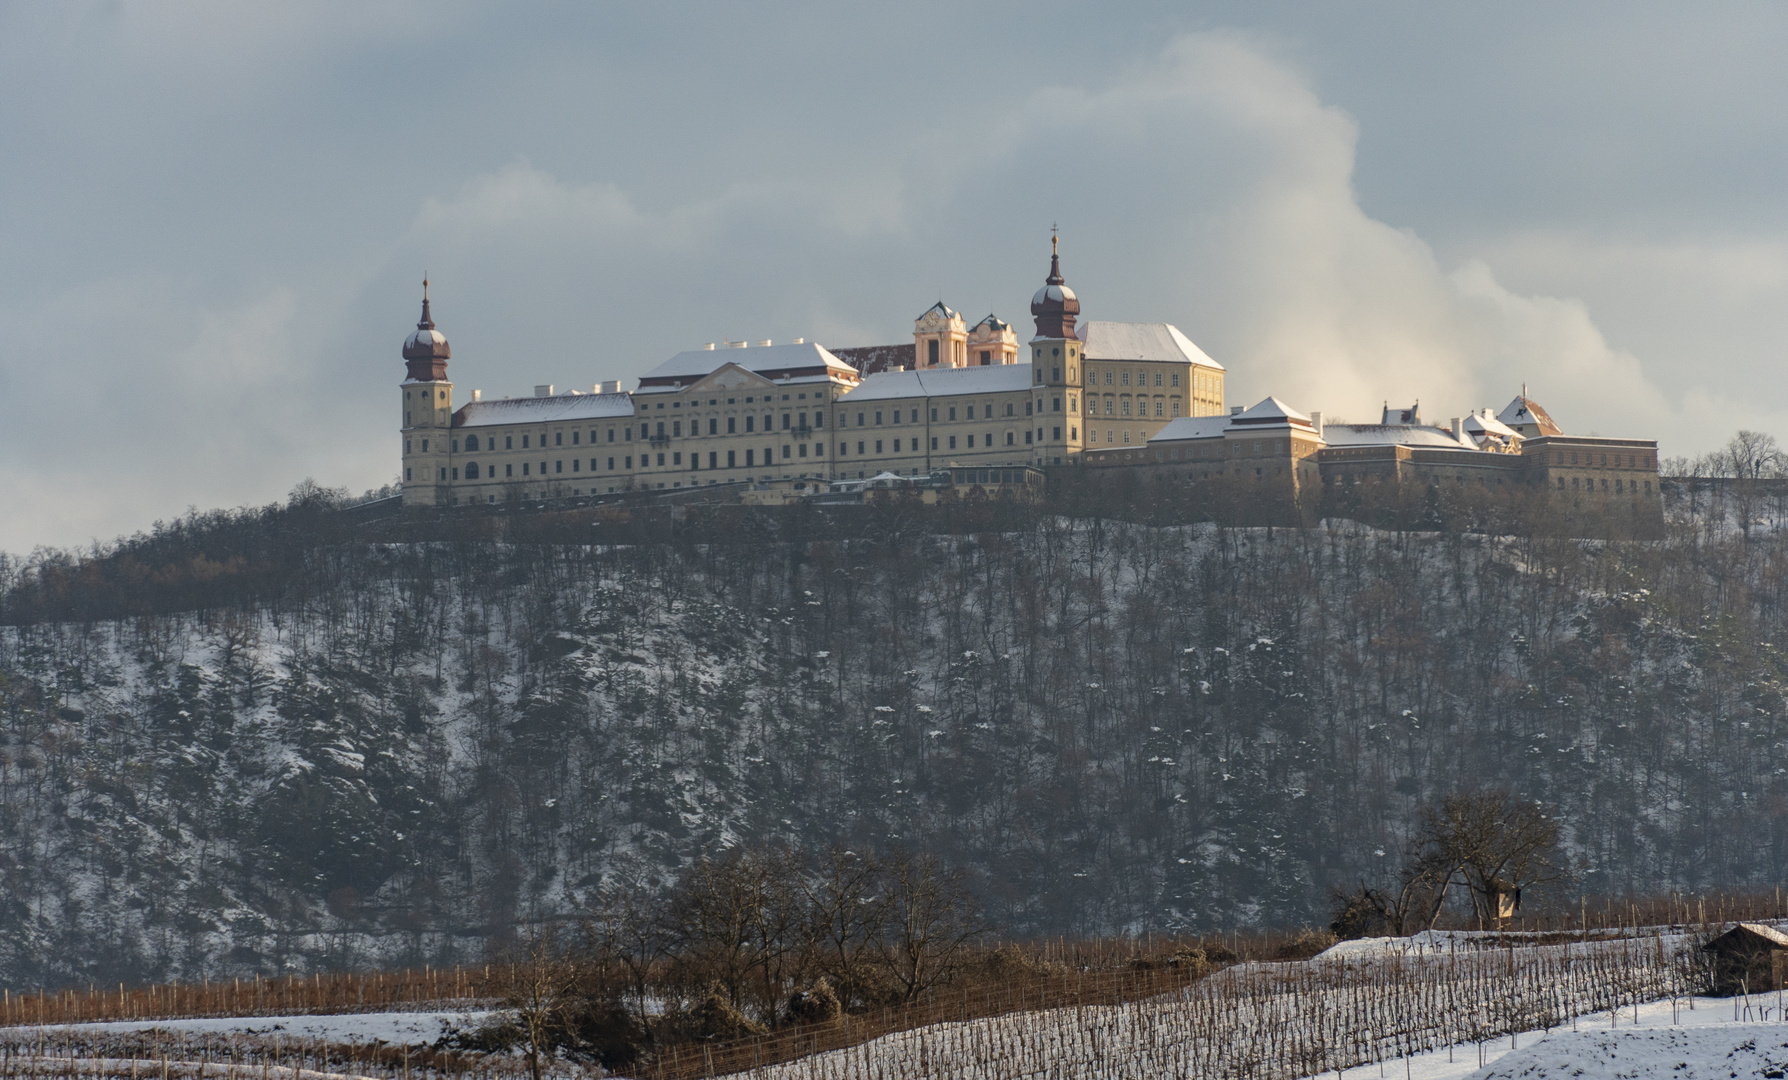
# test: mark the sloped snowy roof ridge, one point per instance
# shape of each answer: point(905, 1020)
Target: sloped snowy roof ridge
point(992, 379)
point(760, 358)
point(1525, 410)
point(1103, 340)
point(1271, 410)
point(540, 410)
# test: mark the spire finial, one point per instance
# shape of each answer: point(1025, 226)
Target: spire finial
point(1053, 240)
point(426, 323)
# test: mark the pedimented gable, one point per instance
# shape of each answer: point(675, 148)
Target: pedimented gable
point(730, 376)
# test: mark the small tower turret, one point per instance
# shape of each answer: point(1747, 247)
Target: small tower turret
point(428, 413)
point(1055, 363)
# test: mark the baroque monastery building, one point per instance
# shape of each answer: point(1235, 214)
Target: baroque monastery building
point(959, 397)
point(969, 401)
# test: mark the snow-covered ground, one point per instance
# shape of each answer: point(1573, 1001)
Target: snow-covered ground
point(1700, 1033)
point(389, 1028)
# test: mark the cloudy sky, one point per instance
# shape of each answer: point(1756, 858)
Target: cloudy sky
point(214, 218)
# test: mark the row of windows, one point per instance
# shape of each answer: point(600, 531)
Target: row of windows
point(1589, 482)
point(1142, 407)
point(1633, 461)
point(1123, 378)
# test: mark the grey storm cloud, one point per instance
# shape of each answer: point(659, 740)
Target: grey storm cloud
point(214, 219)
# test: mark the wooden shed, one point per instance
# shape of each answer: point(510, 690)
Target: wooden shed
point(1750, 958)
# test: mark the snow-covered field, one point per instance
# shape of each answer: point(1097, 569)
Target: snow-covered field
point(1690, 1039)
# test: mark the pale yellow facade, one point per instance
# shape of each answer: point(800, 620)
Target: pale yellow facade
point(765, 413)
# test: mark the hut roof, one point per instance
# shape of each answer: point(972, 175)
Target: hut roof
point(1750, 935)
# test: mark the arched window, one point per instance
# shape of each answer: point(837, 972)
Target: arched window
point(471, 443)
point(471, 466)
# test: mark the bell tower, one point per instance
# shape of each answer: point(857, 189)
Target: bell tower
point(427, 413)
point(1055, 364)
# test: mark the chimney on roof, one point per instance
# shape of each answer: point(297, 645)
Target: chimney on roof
point(709, 347)
point(543, 390)
point(1316, 421)
point(1458, 429)
point(764, 344)
point(1235, 410)
point(800, 341)
point(477, 395)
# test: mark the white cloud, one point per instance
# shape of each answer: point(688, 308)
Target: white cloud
point(1209, 185)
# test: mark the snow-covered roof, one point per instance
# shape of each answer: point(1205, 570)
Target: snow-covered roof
point(1526, 411)
point(1392, 435)
point(543, 410)
point(1141, 341)
point(425, 336)
point(1271, 412)
point(695, 363)
point(1767, 933)
point(1192, 427)
point(1053, 292)
point(995, 322)
point(940, 381)
point(1482, 423)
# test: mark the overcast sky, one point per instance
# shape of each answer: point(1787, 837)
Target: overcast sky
point(214, 218)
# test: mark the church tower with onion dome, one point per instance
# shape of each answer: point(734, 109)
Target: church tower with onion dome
point(1055, 364)
point(428, 413)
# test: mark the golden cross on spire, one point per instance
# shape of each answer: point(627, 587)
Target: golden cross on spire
point(1052, 239)
point(425, 286)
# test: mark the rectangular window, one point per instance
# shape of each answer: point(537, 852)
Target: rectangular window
point(524, 442)
point(934, 416)
point(749, 458)
point(660, 460)
point(524, 468)
point(509, 470)
point(952, 412)
point(677, 459)
point(878, 446)
point(785, 423)
point(952, 442)
point(819, 449)
point(1010, 438)
point(425, 446)
point(1027, 438)
point(1176, 378)
point(897, 446)
point(803, 452)
point(1055, 404)
point(859, 447)
point(878, 417)
point(934, 442)
point(971, 442)
point(456, 474)
point(558, 438)
point(575, 463)
point(676, 428)
point(785, 451)
point(407, 476)
point(558, 466)
point(731, 461)
point(1057, 433)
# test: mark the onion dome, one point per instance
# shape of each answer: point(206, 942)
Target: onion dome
point(1055, 305)
point(426, 351)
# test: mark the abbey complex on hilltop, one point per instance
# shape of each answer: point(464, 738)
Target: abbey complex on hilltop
point(968, 400)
